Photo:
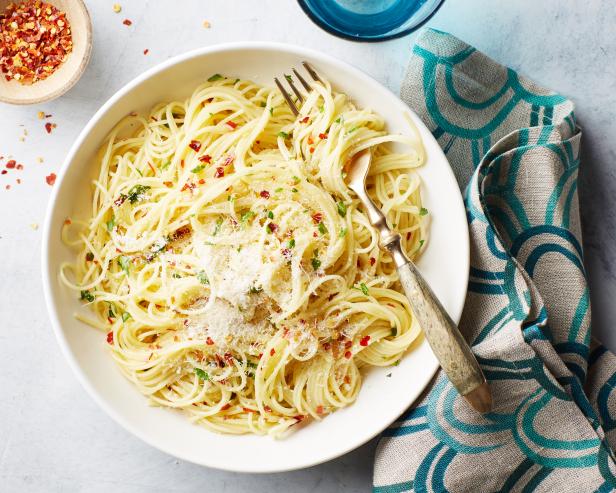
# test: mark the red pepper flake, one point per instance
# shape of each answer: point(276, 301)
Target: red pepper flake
point(372, 260)
point(127, 22)
point(315, 235)
point(327, 346)
point(35, 40)
point(188, 186)
point(146, 51)
point(18, 181)
point(348, 344)
point(247, 410)
point(11, 164)
point(228, 160)
point(285, 252)
point(364, 341)
point(317, 217)
point(182, 163)
point(168, 183)
point(225, 407)
point(4, 172)
point(285, 333)
point(206, 158)
point(8, 187)
point(267, 409)
point(299, 417)
point(201, 181)
point(68, 222)
point(348, 355)
point(89, 257)
point(50, 179)
point(319, 410)
point(232, 124)
point(228, 358)
point(347, 379)
point(110, 337)
point(120, 200)
point(49, 126)
point(306, 119)
point(272, 227)
point(195, 145)
point(209, 341)
point(265, 194)
point(152, 168)
point(219, 360)
point(19, 167)
point(220, 172)
point(272, 352)
point(311, 150)
point(408, 236)
point(310, 140)
point(260, 355)
point(323, 136)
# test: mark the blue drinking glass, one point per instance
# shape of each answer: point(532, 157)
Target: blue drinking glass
point(370, 20)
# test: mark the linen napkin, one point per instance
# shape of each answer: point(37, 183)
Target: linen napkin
point(514, 147)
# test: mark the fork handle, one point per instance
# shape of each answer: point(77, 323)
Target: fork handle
point(449, 346)
point(451, 350)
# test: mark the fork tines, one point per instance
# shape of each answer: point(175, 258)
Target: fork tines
point(300, 97)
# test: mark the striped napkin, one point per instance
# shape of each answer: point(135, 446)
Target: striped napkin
point(514, 148)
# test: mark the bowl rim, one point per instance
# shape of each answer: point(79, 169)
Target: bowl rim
point(77, 74)
point(365, 39)
point(48, 277)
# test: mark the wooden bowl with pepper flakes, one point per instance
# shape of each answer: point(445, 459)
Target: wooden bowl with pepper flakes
point(45, 46)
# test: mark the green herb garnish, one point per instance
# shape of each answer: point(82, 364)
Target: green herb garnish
point(215, 77)
point(270, 214)
point(247, 216)
point(255, 290)
point(201, 374)
point(135, 193)
point(219, 222)
point(198, 169)
point(284, 135)
point(111, 224)
point(364, 288)
point(423, 211)
point(87, 296)
point(278, 190)
point(322, 228)
point(202, 277)
point(124, 263)
point(291, 243)
point(342, 233)
point(125, 316)
point(342, 209)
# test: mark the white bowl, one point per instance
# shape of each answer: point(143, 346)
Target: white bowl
point(382, 399)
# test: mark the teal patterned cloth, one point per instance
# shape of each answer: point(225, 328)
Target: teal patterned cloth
point(514, 147)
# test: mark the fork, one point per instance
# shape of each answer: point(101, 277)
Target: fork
point(447, 343)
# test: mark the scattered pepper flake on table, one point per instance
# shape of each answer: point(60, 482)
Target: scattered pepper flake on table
point(127, 22)
point(35, 38)
point(146, 51)
point(49, 126)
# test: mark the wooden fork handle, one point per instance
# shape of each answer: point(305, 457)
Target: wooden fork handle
point(449, 346)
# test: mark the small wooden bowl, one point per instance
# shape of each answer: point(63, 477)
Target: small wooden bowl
point(68, 73)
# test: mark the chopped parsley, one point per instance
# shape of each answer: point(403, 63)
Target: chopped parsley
point(284, 135)
point(294, 190)
point(166, 165)
point(87, 296)
point(364, 288)
point(252, 365)
point(215, 77)
point(423, 211)
point(322, 228)
point(255, 290)
point(263, 104)
point(288, 77)
point(202, 277)
point(321, 109)
point(111, 224)
point(270, 214)
point(247, 216)
point(394, 331)
point(342, 233)
point(291, 243)
point(278, 190)
point(201, 374)
point(219, 222)
point(342, 209)
point(198, 169)
point(316, 263)
point(352, 130)
point(125, 316)
point(337, 120)
point(124, 263)
point(271, 111)
point(296, 179)
point(135, 193)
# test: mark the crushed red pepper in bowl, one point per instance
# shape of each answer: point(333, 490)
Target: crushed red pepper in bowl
point(35, 39)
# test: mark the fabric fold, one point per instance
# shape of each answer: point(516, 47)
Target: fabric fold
point(514, 148)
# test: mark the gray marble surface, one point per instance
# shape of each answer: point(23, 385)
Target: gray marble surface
point(53, 438)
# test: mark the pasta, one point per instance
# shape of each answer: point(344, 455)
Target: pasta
point(235, 275)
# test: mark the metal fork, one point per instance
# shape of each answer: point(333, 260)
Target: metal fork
point(447, 343)
point(298, 94)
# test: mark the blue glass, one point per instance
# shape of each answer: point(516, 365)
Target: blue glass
point(370, 20)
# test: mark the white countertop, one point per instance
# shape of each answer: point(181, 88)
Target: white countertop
point(53, 437)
